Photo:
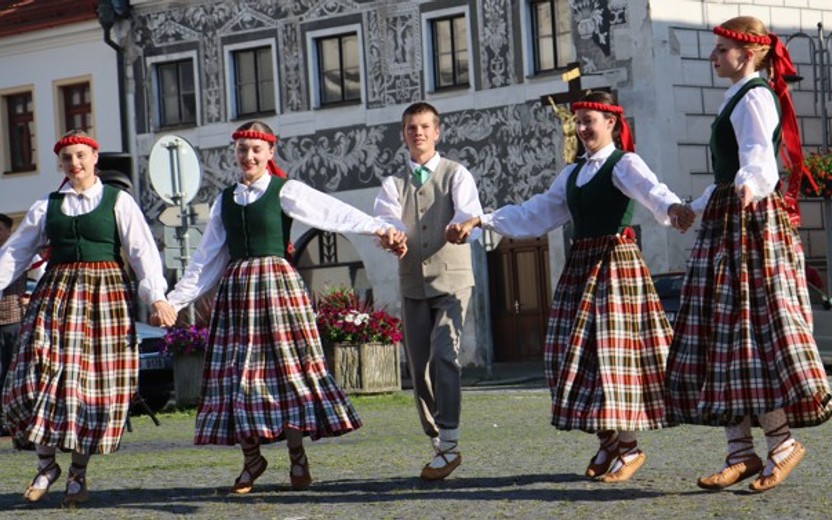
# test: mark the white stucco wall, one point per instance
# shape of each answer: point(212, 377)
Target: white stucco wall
point(36, 61)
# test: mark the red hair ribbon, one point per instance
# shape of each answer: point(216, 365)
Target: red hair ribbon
point(272, 166)
point(627, 143)
point(74, 139)
point(791, 151)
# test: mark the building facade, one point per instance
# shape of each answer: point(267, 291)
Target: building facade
point(332, 77)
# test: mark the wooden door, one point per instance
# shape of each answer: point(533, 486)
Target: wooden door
point(518, 273)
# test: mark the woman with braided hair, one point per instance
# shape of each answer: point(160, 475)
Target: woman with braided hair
point(265, 376)
point(76, 368)
point(743, 350)
point(608, 335)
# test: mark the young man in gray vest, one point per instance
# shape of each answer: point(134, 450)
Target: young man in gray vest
point(435, 277)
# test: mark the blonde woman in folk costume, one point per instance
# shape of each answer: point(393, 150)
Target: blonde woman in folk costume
point(76, 367)
point(608, 335)
point(743, 351)
point(265, 377)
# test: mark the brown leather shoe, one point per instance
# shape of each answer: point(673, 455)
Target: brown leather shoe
point(34, 494)
point(298, 458)
point(73, 499)
point(747, 467)
point(609, 445)
point(243, 487)
point(781, 470)
point(431, 474)
point(626, 471)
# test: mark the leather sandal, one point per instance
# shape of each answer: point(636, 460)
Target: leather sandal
point(737, 467)
point(254, 470)
point(71, 499)
point(298, 459)
point(627, 469)
point(781, 471)
point(430, 473)
point(34, 494)
point(609, 445)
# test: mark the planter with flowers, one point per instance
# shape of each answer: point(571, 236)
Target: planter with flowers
point(361, 344)
point(187, 345)
point(820, 166)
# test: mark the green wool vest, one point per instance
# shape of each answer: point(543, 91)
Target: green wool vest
point(598, 208)
point(258, 229)
point(725, 155)
point(92, 237)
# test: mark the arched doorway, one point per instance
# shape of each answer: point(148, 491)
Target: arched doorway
point(327, 260)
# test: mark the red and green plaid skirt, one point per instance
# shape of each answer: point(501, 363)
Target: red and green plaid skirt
point(265, 370)
point(607, 341)
point(76, 368)
point(743, 340)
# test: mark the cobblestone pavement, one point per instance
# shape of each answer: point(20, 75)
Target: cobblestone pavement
point(515, 466)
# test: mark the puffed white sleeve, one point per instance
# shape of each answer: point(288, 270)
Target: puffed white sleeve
point(21, 247)
point(535, 217)
point(321, 211)
point(207, 263)
point(140, 248)
point(636, 180)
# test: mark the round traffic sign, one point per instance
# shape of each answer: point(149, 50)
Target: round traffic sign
point(174, 169)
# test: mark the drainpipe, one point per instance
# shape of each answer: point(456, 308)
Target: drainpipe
point(107, 17)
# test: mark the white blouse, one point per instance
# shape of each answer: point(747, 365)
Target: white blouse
point(754, 119)
point(464, 194)
point(137, 241)
point(299, 201)
point(549, 210)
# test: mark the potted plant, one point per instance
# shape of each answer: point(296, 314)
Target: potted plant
point(186, 344)
point(820, 167)
point(361, 344)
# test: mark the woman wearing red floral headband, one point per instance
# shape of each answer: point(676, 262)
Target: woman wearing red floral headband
point(608, 335)
point(743, 350)
point(76, 367)
point(265, 374)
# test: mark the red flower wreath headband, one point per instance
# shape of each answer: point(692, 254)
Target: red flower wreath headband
point(74, 139)
point(627, 143)
point(792, 152)
point(272, 166)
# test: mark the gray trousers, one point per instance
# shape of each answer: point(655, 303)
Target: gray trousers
point(432, 331)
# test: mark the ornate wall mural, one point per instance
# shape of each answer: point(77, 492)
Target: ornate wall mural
point(592, 21)
point(513, 150)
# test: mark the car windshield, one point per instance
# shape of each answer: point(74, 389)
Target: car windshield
point(668, 286)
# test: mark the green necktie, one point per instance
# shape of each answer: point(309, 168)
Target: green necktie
point(421, 174)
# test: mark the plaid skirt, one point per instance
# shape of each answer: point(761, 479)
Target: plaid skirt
point(607, 341)
point(265, 370)
point(76, 367)
point(743, 340)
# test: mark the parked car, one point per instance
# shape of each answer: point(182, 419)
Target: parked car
point(155, 368)
point(669, 288)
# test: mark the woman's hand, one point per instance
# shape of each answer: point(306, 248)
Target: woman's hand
point(681, 216)
point(393, 240)
point(162, 314)
point(746, 195)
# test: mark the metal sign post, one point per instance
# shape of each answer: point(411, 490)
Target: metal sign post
point(175, 176)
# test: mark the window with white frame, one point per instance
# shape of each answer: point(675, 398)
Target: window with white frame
point(449, 39)
point(19, 113)
point(549, 35)
point(338, 60)
point(176, 92)
point(76, 106)
point(254, 83)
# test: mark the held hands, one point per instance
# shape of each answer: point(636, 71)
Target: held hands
point(459, 233)
point(393, 240)
point(162, 314)
point(681, 216)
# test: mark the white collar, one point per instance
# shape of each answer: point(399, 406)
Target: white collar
point(601, 155)
point(96, 188)
point(431, 165)
point(260, 185)
point(739, 84)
